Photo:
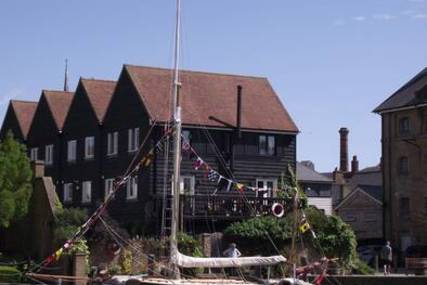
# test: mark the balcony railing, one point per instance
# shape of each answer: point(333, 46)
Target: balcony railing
point(226, 206)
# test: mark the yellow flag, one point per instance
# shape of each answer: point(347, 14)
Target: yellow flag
point(58, 254)
point(304, 227)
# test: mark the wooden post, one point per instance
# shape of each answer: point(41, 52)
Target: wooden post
point(79, 267)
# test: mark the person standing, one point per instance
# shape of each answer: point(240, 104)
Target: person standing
point(232, 251)
point(387, 257)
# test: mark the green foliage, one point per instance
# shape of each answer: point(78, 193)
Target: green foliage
point(67, 222)
point(334, 238)
point(15, 181)
point(188, 245)
point(9, 274)
point(360, 267)
point(125, 262)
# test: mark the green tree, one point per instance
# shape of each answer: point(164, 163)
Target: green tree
point(15, 181)
point(334, 238)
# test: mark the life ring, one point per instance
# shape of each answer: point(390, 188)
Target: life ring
point(278, 210)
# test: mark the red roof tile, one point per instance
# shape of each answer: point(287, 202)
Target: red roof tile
point(24, 111)
point(99, 93)
point(210, 94)
point(59, 103)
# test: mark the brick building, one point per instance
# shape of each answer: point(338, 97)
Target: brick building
point(404, 158)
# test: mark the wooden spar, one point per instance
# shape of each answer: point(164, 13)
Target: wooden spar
point(177, 150)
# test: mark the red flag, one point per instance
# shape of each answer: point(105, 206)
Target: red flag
point(319, 279)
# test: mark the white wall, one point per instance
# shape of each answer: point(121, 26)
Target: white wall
point(322, 203)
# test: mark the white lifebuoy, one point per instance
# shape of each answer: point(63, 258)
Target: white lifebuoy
point(278, 210)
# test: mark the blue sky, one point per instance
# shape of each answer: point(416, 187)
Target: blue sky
point(331, 61)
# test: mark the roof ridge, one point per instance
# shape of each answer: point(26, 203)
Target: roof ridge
point(59, 91)
point(196, 71)
point(96, 79)
point(23, 101)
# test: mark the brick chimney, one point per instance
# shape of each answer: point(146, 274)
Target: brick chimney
point(354, 165)
point(343, 149)
point(38, 168)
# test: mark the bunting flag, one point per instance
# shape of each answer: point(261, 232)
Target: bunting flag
point(240, 187)
point(198, 163)
point(58, 254)
point(304, 227)
point(213, 175)
point(186, 146)
point(146, 161)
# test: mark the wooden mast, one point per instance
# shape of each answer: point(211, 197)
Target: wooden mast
point(177, 150)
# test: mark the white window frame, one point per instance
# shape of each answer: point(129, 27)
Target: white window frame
point(34, 153)
point(112, 143)
point(266, 194)
point(68, 192)
point(71, 151)
point(108, 187)
point(48, 154)
point(86, 192)
point(132, 188)
point(89, 147)
point(192, 185)
point(267, 151)
point(133, 139)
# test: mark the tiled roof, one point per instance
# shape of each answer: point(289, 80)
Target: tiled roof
point(24, 111)
point(99, 93)
point(305, 173)
point(59, 103)
point(209, 94)
point(406, 95)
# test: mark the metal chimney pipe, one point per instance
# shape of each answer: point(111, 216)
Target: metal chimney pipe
point(239, 111)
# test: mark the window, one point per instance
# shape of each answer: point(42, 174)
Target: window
point(404, 207)
point(403, 165)
point(266, 145)
point(34, 153)
point(132, 188)
point(186, 134)
point(71, 150)
point(267, 187)
point(68, 192)
point(186, 185)
point(89, 147)
point(133, 139)
point(108, 188)
point(404, 126)
point(112, 143)
point(48, 155)
point(87, 192)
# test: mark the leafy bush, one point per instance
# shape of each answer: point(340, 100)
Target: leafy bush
point(15, 181)
point(334, 237)
point(67, 222)
point(10, 274)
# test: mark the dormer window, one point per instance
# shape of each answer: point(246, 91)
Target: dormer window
point(404, 126)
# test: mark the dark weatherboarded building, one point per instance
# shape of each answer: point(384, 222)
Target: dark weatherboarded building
point(251, 139)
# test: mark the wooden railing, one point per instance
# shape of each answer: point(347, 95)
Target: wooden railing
point(226, 206)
